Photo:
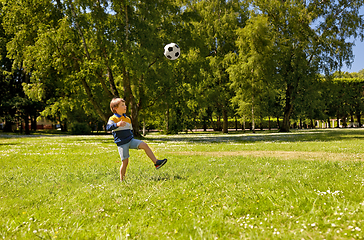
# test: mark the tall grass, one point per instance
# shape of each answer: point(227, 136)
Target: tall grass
point(303, 184)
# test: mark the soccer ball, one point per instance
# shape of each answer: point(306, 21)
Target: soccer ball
point(172, 51)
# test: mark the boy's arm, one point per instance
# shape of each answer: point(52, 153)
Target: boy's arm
point(111, 125)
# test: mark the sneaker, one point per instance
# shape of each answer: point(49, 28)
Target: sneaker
point(160, 163)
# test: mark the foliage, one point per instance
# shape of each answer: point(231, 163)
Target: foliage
point(251, 69)
point(80, 128)
point(15, 107)
point(346, 97)
point(255, 59)
point(305, 38)
point(221, 19)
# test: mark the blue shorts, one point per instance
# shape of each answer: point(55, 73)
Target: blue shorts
point(124, 149)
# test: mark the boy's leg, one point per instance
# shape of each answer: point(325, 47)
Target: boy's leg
point(123, 167)
point(157, 163)
point(148, 151)
point(124, 155)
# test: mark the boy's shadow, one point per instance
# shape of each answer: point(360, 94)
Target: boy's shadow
point(166, 177)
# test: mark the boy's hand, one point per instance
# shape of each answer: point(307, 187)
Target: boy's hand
point(121, 124)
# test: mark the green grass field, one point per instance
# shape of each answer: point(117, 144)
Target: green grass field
point(301, 185)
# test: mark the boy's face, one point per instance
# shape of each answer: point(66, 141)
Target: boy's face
point(121, 108)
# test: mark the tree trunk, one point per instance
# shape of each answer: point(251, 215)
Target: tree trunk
point(244, 124)
point(34, 122)
point(345, 122)
point(253, 123)
point(167, 118)
point(338, 120)
point(134, 116)
point(92, 100)
point(130, 102)
point(225, 123)
point(236, 123)
point(287, 110)
point(261, 123)
point(26, 124)
point(144, 128)
point(358, 116)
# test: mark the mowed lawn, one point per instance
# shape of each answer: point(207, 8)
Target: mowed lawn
point(306, 184)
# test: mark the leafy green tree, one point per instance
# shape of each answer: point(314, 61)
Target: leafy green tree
point(217, 30)
point(347, 98)
point(251, 69)
point(309, 37)
point(85, 53)
point(15, 106)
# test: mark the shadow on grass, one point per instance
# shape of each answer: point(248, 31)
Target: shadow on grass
point(293, 136)
point(8, 144)
point(305, 135)
point(166, 178)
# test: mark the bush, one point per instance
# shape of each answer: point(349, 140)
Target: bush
point(80, 129)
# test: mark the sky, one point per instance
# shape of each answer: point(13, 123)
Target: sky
point(358, 64)
point(358, 51)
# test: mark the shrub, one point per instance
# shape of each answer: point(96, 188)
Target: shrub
point(80, 128)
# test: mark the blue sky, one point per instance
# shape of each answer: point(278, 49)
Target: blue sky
point(358, 63)
point(358, 51)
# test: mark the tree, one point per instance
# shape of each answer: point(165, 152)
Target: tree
point(251, 68)
point(309, 37)
point(15, 106)
point(347, 98)
point(89, 52)
point(221, 19)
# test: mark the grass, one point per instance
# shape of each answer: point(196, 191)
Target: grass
point(303, 184)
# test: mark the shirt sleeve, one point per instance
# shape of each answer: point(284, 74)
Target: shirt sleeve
point(111, 125)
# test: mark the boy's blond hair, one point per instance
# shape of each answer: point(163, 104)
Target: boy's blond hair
point(115, 103)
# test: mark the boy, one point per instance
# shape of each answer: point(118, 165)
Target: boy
point(121, 128)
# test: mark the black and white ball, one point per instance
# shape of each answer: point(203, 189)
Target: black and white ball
point(172, 51)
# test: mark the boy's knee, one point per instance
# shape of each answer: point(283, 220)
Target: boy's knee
point(143, 145)
point(125, 161)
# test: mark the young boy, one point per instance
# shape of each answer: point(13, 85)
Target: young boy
point(121, 128)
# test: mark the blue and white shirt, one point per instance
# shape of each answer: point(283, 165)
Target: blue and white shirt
point(122, 135)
